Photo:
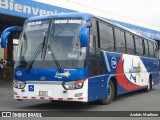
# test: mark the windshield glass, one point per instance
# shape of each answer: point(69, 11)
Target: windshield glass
point(41, 40)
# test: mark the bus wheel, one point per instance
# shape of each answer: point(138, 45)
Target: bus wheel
point(149, 87)
point(111, 94)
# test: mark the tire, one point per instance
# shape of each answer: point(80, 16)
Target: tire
point(111, 94)
point(56, 102)
point(149, 87)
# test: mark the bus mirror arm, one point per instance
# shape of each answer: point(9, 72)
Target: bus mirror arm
point(6, 33)
point(84, 34)
point(88, 24)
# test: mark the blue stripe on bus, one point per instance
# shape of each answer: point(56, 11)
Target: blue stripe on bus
point(35, 74)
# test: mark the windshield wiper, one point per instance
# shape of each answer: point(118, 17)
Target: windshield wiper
point(36, 53)
point(44, 43)
point(55, 59)
point(38, 50)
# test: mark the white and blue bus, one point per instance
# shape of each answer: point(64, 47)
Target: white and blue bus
point(81, 57)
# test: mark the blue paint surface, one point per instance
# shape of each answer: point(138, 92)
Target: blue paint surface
point(97, 87)
point(50, 74)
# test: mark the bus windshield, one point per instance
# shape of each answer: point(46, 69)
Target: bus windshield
point(50, 44)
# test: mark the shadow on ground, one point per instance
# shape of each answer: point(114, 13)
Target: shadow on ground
point(78, 106)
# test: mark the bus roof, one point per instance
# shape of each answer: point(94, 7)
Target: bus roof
point(80, 15)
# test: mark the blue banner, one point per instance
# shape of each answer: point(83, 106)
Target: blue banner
point(28, 8)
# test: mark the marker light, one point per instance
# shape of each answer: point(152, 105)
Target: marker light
point(18, 84)
point(71, 85)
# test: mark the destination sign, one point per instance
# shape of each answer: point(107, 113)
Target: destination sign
point(69, 21)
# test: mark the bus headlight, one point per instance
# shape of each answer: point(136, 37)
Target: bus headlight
point(71, 85)
point(18, 84)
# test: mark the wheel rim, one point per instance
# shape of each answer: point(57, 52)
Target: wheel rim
point(109, 92)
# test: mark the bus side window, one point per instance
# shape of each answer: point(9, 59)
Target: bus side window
point(130, 43)
point(110, 39)
point(93, 40)
point(106, 37)
point(139, 45)
point(120, 41)
point(93, 31)
point(103, 35)
point(155, 49)
point(92, 44)
point(151, 52)
point(146, 48)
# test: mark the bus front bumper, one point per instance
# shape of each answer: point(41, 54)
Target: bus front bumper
point(51, 91)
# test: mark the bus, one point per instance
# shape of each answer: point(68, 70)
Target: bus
point(80, 57)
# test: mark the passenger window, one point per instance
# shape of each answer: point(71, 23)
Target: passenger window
point(92, 45)
point(155, 49)
point(93, 31)
point(146, 48)
point(139, 46)
point(106, 37)
point(151, 52)
point(110, 39)
point(120, 41)
point(130, 43)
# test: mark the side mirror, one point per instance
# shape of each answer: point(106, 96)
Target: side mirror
point(5, 34)
point(84, 35)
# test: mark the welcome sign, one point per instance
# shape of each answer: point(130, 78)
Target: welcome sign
point(28, 8)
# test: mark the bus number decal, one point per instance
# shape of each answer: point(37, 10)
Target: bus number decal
point(114, 62)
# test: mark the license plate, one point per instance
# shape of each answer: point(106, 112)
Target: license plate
point(43, 93)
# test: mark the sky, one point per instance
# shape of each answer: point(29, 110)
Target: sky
point(144, 11)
